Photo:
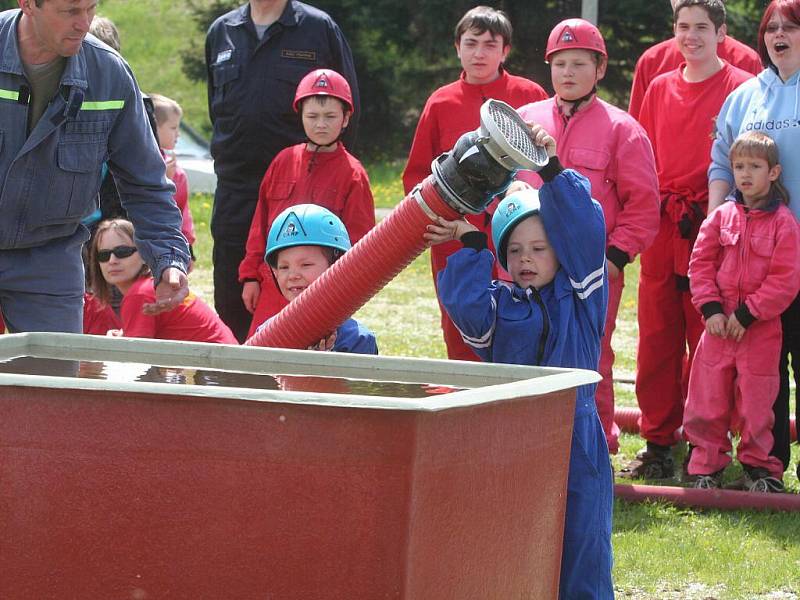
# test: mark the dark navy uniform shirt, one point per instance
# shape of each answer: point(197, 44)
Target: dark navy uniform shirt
point(251, 86)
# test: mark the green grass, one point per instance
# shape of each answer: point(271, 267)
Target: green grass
point(154, 55)
point(661, 552)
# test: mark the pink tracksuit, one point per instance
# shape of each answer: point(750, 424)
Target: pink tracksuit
point(609, 148)
point(747, 262)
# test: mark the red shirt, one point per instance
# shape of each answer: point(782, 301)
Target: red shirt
point(665, 56)
point(181, 198)
point(454, 109)
point(451, 111)
point(192, 321)
point(679, 118)
point(98, 318)
point(334, 180)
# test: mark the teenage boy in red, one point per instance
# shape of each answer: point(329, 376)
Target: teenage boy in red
point(608, 147)
point(319, 171)
point(482, 41)
point(665, 56)
point(678, 114)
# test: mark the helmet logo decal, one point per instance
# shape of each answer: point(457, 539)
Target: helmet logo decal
point(292, 227)
point(567, 36)
point(322, 82)
point(511, 209)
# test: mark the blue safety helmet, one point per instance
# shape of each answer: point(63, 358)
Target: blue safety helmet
point(306, 225)
point(511, 210)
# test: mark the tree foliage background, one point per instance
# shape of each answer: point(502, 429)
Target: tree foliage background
point(403, 49)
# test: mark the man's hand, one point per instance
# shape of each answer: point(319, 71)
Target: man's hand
point(170, 291)
point(445, 231)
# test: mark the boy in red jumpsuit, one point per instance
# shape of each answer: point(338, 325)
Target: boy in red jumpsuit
point(678, 114)
point(482, 41)
point(745, 271)
point(319, 171)
point(665, 57)
point(608, 147)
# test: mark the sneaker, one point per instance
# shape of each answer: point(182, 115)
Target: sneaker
point(707, 482)
point(767, 485)
point(652, 462)
point(757, 479)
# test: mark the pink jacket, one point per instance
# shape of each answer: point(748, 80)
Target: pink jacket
point(746, 257)
point(608, 147)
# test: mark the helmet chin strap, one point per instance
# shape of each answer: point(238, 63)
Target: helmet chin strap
point(577, 102)
point(318, 147)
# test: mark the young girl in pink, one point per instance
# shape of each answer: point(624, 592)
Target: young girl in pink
point(115, 261)
point(744, 272)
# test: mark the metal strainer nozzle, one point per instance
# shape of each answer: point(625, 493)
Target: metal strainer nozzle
point(506, 137)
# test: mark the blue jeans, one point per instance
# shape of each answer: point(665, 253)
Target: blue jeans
point(41, 288)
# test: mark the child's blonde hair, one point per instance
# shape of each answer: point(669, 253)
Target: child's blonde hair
point(104, 30)
point(100, 287)
point(164, 108)
point(756, 144)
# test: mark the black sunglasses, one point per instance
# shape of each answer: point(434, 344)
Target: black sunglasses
point(119, 252)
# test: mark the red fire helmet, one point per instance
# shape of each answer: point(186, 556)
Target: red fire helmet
point(323, 82)
point(575, 34)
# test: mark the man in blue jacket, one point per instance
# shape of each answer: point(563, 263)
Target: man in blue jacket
point(255, 56)
point(67, 104)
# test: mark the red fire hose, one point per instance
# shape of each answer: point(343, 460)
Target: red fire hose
point(359, 274)
point(628, 421)
point(721, 499)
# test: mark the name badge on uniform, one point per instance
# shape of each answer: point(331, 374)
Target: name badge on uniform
point(299, 54)
point(224, 55)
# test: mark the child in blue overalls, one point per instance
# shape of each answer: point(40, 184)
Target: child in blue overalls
point(552, 242)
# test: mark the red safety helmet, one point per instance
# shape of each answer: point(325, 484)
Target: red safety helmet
point(577, 34)
point(323, 82)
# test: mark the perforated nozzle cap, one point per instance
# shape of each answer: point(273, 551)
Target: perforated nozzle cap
point(508, 139)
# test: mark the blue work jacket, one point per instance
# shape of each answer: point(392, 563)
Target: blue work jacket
point(559, 325)
point(50, 178)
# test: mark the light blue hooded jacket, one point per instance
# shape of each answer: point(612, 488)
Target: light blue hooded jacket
point(767, 104)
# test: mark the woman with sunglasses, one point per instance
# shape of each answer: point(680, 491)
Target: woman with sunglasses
point(115, 261)
point(769, 103)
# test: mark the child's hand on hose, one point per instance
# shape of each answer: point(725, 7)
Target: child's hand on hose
point(325, 344)
point(445, 231)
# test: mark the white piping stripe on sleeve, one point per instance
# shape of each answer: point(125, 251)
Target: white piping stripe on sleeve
point(588, 291)
point(484, 341)
point(588, 278)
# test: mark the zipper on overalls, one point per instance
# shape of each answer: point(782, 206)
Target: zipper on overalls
point(742, 253)
point(537, 297)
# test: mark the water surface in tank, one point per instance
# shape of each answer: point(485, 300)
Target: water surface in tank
point(131, 371)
